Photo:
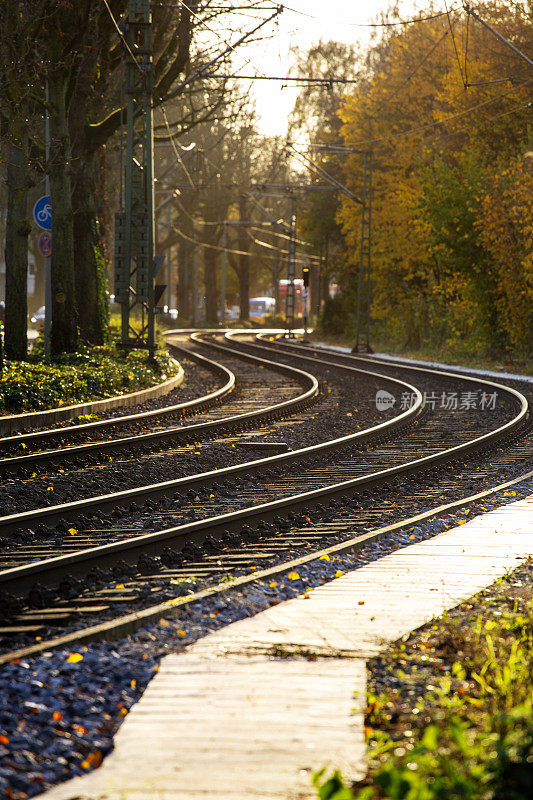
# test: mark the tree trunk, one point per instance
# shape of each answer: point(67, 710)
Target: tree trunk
point(244, 289)
point(16, 252)
point(210, 281)
point(88, 259)
point(64, 332)
point(185, 254)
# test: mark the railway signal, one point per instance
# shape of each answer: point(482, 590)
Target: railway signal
point(305, 273)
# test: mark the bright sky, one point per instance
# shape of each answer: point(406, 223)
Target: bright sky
point(337, 20)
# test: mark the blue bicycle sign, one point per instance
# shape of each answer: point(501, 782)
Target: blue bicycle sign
point(42, 212)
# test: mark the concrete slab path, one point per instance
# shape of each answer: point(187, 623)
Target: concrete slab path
point(252, 710)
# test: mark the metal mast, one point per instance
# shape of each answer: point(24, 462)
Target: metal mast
point(365, 257)
point(291, 271)
point(134, 223)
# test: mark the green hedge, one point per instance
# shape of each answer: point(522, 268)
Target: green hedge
point(92, 373)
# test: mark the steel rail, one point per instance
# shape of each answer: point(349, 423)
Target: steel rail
point(177, 409)
point(127, 624)
point(183, 432)
point(110, 501)
point(50, 570)
point(42, 568)
point(319, 352)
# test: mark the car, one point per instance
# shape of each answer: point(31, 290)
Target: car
point(37, 319)
point(233, 312)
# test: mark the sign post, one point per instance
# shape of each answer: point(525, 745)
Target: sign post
point(42, 214)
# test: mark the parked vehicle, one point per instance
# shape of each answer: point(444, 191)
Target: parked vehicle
point(37, 319)
point(260, 306)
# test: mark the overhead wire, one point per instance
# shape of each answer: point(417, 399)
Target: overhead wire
point(378, 24)
point(430, 125)
point(175, 149)
point(219, 248)
point(454, 44)
point(123, 38)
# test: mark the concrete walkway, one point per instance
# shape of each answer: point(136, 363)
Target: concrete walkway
point(252, 710)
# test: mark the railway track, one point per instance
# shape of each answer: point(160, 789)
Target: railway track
point(255, 514)
point(241, 407)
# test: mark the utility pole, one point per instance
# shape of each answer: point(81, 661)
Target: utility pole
point(224, 268)
point(194, 287)
point(291, 271)
point(134, 223)
point(365, 256)
point(48, 259)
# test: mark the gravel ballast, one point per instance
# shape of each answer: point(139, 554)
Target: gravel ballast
point(60, 710)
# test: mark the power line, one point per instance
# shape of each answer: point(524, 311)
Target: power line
point(123, 38)
point(379, 24)
point(327, 81)
point(442, 121)
point(201, 70)
point(454, 45)
point(176, 152)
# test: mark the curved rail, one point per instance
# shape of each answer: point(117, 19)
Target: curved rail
point(479, 441)
point(13, 579)
point(154, 543)
point(177, 409)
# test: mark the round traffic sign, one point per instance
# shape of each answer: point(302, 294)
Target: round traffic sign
point(45, 244)
point(42, 212)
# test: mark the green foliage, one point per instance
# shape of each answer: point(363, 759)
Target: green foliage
point(481, 745)
point(452, 216)
point(337, 317)
point(90, 373)
point(103, 307)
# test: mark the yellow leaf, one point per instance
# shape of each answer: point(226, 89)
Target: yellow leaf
point(339, 574)
point(293, 576)
point(273, 585)
point(23, 445)
point(133, 683)
point(74, 658)
point(119, 586)
point(182, 633)
point(72, 531)
point(324, 558)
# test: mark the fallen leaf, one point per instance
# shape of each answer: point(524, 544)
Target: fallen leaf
point(92, 760)
point(74, 658)
point(293, 576)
